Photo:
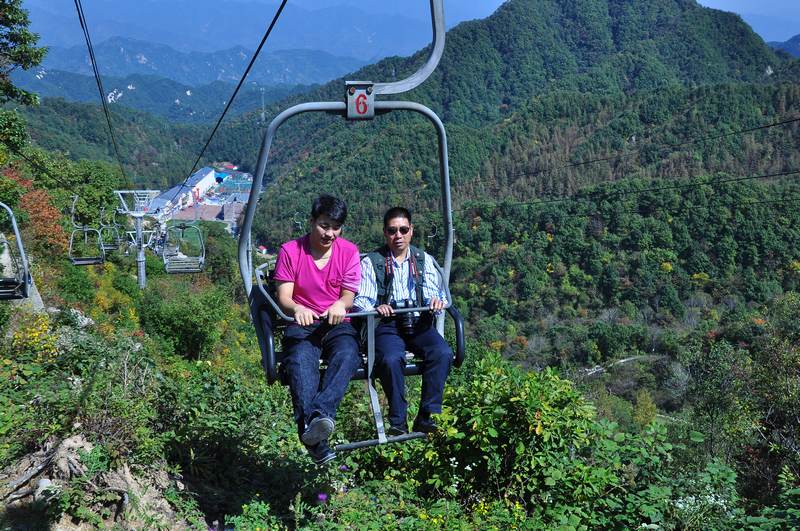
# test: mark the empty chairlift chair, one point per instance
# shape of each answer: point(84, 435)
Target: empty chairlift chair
point(109, 233)
point(85, 243)
point(359, 104)
point(15, 276)
point(184, 251)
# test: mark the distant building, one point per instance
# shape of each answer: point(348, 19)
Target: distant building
point(185, 194)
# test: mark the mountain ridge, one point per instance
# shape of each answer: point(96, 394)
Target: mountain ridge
point(174, 101)
point(791, 46)
point(121, 57)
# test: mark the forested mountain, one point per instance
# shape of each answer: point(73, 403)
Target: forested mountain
point(160, 96)
point(122, 57)
point(792, 46)
point(495, 70)
point(492, 68)
point(157, 154)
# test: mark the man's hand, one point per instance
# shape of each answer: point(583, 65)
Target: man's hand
point(385, 310)
point(335, 313)
point(304, 316)
point(437, 305)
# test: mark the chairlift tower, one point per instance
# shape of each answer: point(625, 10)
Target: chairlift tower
point(135, 203)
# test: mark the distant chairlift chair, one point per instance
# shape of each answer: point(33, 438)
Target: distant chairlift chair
point(184, 251)
point(109, 233)
point(15, 275)
point(82, 240)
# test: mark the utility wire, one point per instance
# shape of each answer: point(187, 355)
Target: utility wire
point(99, 81)
point(41, 167)
point(233, 97)
point(661, 146)
point(602, 195)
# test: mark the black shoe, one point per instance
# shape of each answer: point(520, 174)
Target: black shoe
point(319, 429)
point(424, 424)
point(395, 431)
point(321, 453)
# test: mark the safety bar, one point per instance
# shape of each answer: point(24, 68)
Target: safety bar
point(25, 275)
point(346, 447)
point(264, 326)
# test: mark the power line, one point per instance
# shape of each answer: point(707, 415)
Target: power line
point(233, 97)
point(602, 195)
point(41, 167)
point(98, 80)
point(664, 145)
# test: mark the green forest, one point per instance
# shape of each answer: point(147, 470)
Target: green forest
point(627, 259)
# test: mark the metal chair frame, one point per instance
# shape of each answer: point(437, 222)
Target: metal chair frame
point(173, 261)
point(85, 231)
point(359, 104)
point(18, 285)
point(109, 232)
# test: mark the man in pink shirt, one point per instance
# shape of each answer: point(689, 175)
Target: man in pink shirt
point(317, 278)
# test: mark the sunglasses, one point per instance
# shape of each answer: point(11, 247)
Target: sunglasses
point(391, 231)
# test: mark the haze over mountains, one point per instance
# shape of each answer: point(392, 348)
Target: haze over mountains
point(342, 28)
point(792, 46)
point(181, 46)
point(121, 57)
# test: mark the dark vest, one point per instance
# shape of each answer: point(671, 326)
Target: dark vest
point(384, 272)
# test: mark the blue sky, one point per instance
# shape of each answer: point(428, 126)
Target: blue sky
point(774, 20)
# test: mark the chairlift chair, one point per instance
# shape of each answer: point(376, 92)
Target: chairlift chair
point(184, 251)
point(84, 238)
point(268, 317)
point(109, 233)
point(15, 276)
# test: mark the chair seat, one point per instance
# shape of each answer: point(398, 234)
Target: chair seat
point(184, 265)
point(92, 260)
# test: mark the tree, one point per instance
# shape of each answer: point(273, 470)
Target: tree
point(17, 50)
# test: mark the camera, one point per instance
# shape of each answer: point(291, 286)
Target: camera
point(405, 321)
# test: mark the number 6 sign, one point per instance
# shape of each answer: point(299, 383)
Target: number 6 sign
point(360, 100)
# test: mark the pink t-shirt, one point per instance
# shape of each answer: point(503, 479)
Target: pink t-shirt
point(316, 288)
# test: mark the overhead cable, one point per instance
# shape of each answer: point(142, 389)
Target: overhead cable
point(661, 146)
point(98, 80)
point(233, 97)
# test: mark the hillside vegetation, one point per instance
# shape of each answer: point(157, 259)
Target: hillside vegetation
point(626, 255)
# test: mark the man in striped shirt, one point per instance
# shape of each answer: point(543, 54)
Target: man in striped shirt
point(395, 275)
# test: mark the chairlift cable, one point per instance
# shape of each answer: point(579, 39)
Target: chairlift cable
point(233, 96)
point(637, 211)
point(662, 145)
point(596, 195)
point(39, 166)
point(99, 82)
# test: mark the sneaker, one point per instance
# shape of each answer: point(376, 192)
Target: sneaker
point(319, 429)
point(424, 424)
point(395, 431)
point(321, 453)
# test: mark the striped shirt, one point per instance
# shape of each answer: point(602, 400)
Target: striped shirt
point(403, 286)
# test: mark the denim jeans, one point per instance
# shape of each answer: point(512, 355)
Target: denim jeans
point(390, 347)
point(304, 347)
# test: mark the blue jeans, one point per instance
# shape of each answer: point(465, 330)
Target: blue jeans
point(304, 347)
point(390, 349)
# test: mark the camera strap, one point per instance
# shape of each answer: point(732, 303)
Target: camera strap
point(414, 270)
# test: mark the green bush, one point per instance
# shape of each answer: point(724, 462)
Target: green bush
point(75, 284)
point(189, 319)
